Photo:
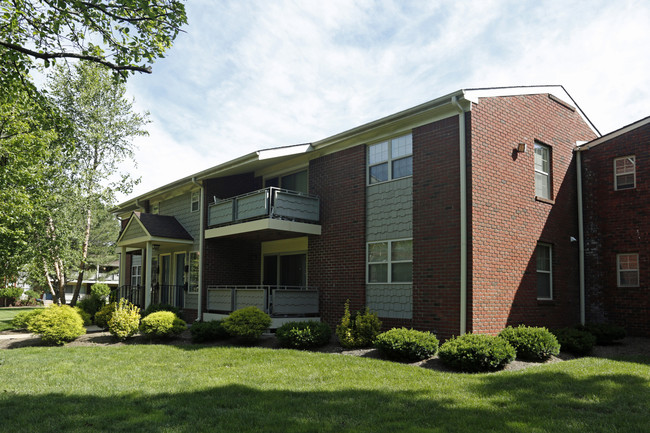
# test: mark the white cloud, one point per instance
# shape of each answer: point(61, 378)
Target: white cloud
point(249, 75)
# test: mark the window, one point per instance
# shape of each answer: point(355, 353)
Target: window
point(390, 261)
point(624, 173)
point(193, 286)
point(298, 182)
point(627, 270)
point(155, 208)
point(390, 159)
point(195, 201)
point(542, 171)
point(136, 270)
point(544, 272)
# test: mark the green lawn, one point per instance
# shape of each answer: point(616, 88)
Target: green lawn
point(153, 388)
point(6, 314)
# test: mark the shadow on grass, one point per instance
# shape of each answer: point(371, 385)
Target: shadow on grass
point(538, 402)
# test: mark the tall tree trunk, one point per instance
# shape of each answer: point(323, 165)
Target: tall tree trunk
point(46, 273)
point(84, 256)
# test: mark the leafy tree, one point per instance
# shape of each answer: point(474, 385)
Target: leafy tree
point(103, 127)
point(123, 35)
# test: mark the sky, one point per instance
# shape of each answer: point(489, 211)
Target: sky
point(249, 75)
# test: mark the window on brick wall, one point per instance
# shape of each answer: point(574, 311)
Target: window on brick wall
point(542, 171)
point(390, 261)
point(136, 270)
point(625, 172)
point(627, 266)
point(544, 259)
point(392, 159)
point(194, 201)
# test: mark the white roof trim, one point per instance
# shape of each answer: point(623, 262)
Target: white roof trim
point(283, 151)
point(614, 134)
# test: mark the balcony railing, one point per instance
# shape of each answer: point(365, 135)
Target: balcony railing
point(265, 203)
point(133, 294)
point(277, 301)
point(161, 294)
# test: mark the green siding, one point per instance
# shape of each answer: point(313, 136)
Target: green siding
point(134, 231)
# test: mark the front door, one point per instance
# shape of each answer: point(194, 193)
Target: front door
point(285, 270)
point(180, 279)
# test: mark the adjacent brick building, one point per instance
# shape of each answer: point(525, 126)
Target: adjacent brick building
point(458, 215)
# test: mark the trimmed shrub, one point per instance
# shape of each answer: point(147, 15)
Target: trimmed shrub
point(125, 320)
point(104, 315)
point(531, 343)
point(84, 316)
point(57, 324)
point(605, 333)
point(160, 307)
point(162, 324)
point(406, 345)
point(304, 335)
point(100, 290)
point(208, 331)
point(248, 323)
point(358, 329)
point(476, 353)
point(91, 305)
point(575, 341)
point(23, 319)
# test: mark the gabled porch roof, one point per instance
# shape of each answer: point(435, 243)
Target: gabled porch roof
point(143, 228)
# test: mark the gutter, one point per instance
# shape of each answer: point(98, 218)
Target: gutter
point(463, 215)
point(199, 316)
point(581, 236)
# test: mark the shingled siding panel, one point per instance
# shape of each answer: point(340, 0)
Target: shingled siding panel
point(436, 228)
point(507, 221)
point(179, 207)
point(337, 256)
point(617, 222)
point(389, 216)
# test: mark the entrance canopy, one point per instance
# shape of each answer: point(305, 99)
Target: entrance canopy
point(144, 227)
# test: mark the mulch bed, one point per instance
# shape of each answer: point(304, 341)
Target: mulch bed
point(629, 346)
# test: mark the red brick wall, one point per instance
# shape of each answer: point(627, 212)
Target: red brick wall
point(617, 222)
point(507, 221)
point(436, 228)
point(337, 257)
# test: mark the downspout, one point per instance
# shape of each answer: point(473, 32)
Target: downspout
point(199, 316)
point(463, 215)
point(581, 238)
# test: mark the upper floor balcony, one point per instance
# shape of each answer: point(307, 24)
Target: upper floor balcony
point(265, 209)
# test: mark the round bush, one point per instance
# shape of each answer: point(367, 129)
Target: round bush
point(531, 343)
point(575, 341)
point(161, 307)
point(104, 315)
point(407, 345)
point(22, 319)
point(57, 324)
point(162, 324)
point(605, 333)
point(100, 290)
point(125, 320)
point(91, 305)
point(248, 323)
point(476, 353)
point(304, 335)
point(208, 331)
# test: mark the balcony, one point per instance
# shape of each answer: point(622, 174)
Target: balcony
point(265, 209)
point(276, 301)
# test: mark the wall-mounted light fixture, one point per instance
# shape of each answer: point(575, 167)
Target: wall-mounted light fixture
point(521, 147)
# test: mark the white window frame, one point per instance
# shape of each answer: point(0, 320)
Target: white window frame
point(136, 272)
point(631, 171)
point(620, 270)
point(390, 159)
point(548, 271)
point(195, 197)
point(546, 174)
point(389, 262)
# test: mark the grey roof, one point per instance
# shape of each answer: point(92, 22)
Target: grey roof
point(163, 226)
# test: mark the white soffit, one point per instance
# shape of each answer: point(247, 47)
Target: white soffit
point(279, 152)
